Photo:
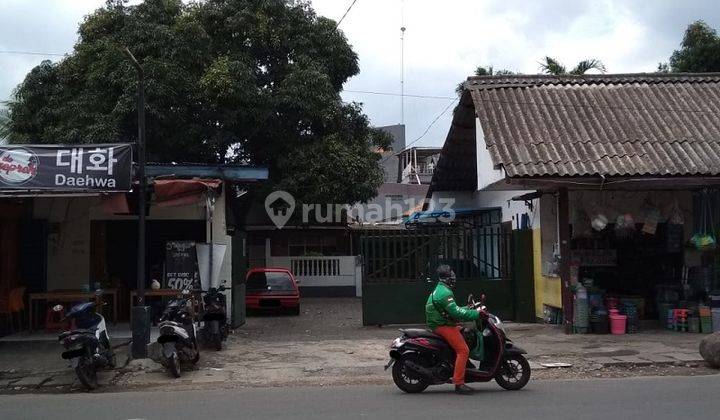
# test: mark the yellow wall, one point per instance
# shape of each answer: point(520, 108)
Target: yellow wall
point(547, 289)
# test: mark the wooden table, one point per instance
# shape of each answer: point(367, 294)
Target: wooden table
point(66, 296)
point(151, 293)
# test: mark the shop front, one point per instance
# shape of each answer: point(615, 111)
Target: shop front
point(61, 242)
point(634, 256)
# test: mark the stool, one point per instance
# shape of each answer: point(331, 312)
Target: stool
point(54, 320)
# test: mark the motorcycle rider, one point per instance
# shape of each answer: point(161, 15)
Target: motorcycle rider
point(443, 316)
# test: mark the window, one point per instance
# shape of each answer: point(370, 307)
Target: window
point(269, 280)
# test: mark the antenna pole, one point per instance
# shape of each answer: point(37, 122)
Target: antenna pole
point(402, 62)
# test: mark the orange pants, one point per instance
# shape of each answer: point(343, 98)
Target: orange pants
point(453, 336)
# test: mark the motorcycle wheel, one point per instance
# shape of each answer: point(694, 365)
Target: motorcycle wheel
point(405, 379)
point(514, 372)
point(86, 373)
point(112, 360)
point(174, 365)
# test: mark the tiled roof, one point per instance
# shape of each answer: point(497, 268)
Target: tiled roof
point(610, 125)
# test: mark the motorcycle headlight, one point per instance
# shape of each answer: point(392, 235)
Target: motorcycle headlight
point(396, 343)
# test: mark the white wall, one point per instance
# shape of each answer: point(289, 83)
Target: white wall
point(68, 259)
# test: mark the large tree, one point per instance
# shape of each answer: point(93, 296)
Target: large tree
point(253, 81)
point(699, 51)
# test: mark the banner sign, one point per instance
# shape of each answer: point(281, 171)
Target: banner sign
point(180, 265)
point(88, 167)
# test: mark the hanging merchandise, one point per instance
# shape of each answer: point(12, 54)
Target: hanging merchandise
point(676, 215)
point(624, 226)
point(705, 239)
point(651, 221)
point(651, 216)
point(599, 222)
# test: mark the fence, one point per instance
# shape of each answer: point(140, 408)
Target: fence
point(323, 276)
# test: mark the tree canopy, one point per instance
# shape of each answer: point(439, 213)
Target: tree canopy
point(252, 81)
point(552, 66)
point(484, 71)
point(699, 51)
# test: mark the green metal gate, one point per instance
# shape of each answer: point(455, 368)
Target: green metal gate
point(399, 266)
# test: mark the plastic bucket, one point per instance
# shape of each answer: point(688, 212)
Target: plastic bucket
point(617, 324)
point(716, 319)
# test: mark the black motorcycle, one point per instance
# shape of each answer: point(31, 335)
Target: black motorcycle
point(420, 358)
point(178, 337)
point(88, 344)
point(215, 328)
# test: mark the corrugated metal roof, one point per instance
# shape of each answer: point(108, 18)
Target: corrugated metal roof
point(611, 125)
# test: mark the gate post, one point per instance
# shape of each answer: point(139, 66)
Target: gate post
point(564, 239)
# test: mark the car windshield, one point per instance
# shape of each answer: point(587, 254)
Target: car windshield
point(269, 280)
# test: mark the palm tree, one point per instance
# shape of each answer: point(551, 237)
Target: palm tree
point(484, 71)
point(553, 66)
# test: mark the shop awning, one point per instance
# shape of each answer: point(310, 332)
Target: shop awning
point(181, 192)
point(234, 173)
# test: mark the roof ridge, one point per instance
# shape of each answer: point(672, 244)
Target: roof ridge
point(527, 80)
point(624, 142)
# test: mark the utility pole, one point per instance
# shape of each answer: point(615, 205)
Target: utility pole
point(402, 62)
point(140, 312)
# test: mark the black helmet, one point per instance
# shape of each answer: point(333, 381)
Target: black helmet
point(446, 275)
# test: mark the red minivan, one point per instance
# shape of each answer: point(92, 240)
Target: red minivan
point(272, 289)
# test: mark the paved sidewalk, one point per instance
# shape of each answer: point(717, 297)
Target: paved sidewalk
point(327, 345)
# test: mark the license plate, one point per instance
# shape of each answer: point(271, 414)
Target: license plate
point(270, 303)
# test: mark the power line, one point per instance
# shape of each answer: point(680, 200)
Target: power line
point(426, 130)
point(345, 14)
point(30, 53)
point(369, 92)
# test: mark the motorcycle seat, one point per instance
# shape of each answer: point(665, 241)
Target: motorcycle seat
point(78, 331)
point(419, 332)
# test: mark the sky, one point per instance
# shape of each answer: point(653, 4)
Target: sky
point(444, 42)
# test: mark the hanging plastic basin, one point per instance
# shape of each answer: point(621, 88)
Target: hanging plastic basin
point(617, 324)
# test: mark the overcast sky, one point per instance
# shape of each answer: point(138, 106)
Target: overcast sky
point(444, 42)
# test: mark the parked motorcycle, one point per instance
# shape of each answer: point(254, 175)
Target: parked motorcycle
point(88, 344)
point(178, 337)
point(420, 358)
point(215, 327)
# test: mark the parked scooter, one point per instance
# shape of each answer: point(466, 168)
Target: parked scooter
point(215, 328)
point(178, 337)
point(420, 358)
point(88, 345)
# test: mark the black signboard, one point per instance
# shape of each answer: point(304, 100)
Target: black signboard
point(88, 167)
point(180, 264)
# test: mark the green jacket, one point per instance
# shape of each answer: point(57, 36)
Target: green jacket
point(444, 310)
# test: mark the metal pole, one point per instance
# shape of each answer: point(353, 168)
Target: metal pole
point(141, 313)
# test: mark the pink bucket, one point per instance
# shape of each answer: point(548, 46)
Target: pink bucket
point(617, 324)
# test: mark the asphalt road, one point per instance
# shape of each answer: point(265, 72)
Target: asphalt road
point(633, 398)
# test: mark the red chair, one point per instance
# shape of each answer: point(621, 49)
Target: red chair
point(12, 305)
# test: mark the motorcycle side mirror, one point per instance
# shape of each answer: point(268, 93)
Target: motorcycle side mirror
point(471, 299)
point(58, 308)
point(99, 292)
point(482, 298)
